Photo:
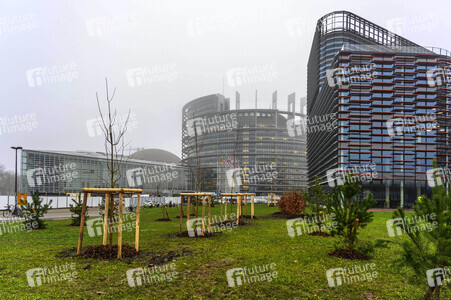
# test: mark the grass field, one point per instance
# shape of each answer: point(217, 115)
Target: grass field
point(301, 263)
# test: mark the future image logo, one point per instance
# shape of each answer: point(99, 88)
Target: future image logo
point(209, 125)
point(399, 226)
point(411, 124)
point(251, 74)
point(195, 226)
point(96, 126)
point(47, 175)
point(344, 75)
point(360, 173)
point(107, 25)
point(439, 76)
point(152, 175)
point(346, 275)
point(210, 25)
point(51, 74)
point(150, 276)
point(38, 276)
point(438, 177)
point(438, 276)
point(149, 75)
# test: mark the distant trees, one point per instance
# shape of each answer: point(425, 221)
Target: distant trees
point(6, 181)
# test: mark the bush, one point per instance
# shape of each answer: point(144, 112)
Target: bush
point(292, 203)
point(34, 211)
point(76, 210)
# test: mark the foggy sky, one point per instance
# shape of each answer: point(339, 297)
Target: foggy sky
point(185, 48)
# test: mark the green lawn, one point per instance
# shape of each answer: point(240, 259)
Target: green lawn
point(301, 263)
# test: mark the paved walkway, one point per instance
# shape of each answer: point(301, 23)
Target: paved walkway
point(64, 213)
point(61, 213)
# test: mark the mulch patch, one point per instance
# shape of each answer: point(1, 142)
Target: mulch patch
point(281, 215)
point(318, 233)
point(249, 217)
point(184, 216)
point(348, 254)
point(163, 220)
point(104, 251)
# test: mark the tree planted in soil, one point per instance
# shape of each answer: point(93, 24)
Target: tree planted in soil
point(35, 211)
point(319, 197)
point(351, 213)
point(114, 129)
point(76, 210)
point(428, 248)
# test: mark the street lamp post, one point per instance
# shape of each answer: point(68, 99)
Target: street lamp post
point(15, 186)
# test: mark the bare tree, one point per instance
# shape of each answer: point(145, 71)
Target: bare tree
point(6, 181)
point(234, 161)
point(113, 130)
point(197, 173)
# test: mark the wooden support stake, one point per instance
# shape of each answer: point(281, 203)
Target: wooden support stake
point(167, 214)
point(209, 214)
point(221, 216)
point(82, 223)
point(119, 232)
point(203, 215)
point(225, 208)
point(105, 219)
point(231, 208)
point(181, 214)
point(238, 210)
point(245, 203)
point(252, 206)
point(138, 207)
point(187, 217)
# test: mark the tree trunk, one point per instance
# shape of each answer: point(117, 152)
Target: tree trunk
point(197, 206)
point(429, 292)
point(110, 225)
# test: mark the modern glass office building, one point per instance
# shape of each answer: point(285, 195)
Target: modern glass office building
point(393, 103)
point(247, 150)
point(60, 172)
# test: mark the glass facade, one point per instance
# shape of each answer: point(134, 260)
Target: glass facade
point(377, 93)
point(256, 141)
point(58, 173)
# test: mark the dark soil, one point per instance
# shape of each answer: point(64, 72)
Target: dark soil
point(248, 217)
point(348, 254)
point(206, 234)
point(225, 223)
point(67, 253)
point(281, 215)
point(161, 259)
point(318, 233)
point(104, 251)
point(184, 216)
point(163, 220)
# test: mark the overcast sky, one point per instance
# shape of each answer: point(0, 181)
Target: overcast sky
point(160, 55)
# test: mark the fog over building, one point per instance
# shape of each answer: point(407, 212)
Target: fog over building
point(247, 150)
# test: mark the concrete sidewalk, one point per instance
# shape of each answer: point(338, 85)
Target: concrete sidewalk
point(61, 213)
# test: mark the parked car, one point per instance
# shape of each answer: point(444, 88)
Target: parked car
point(148, 203)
